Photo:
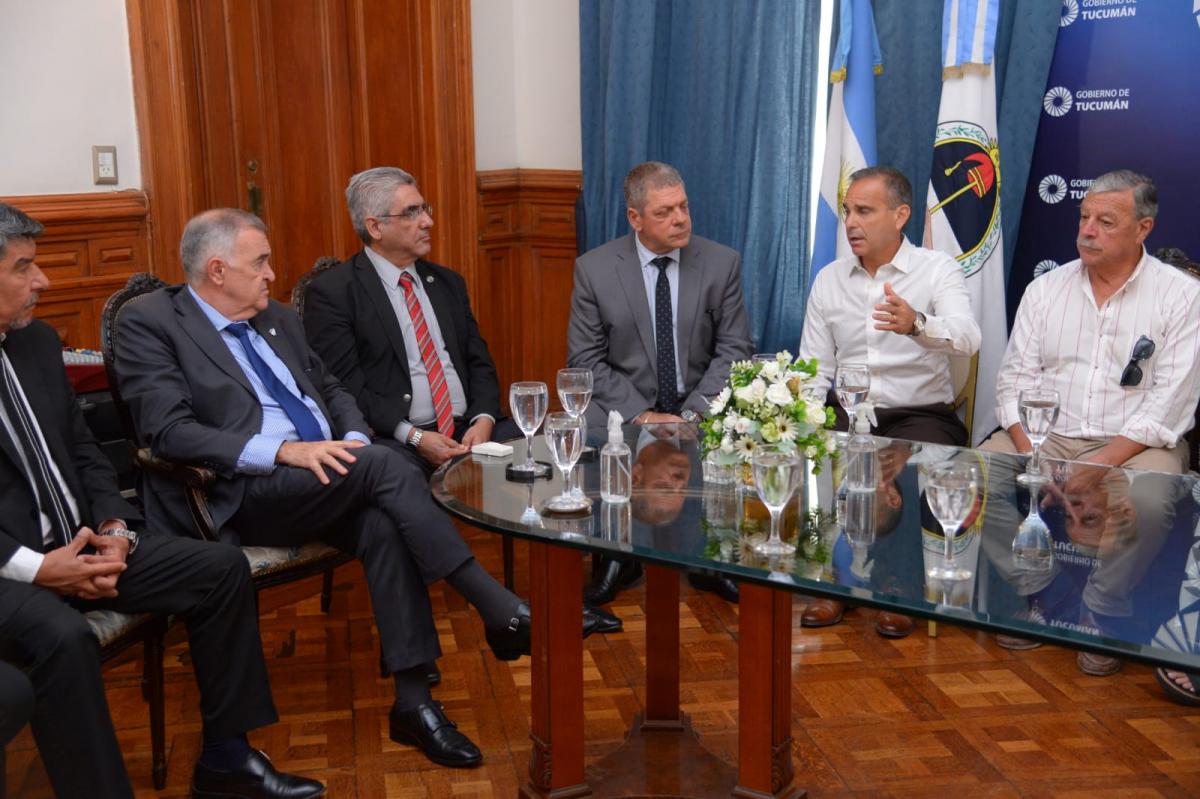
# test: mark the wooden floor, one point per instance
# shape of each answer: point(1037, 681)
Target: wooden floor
point(951, 716)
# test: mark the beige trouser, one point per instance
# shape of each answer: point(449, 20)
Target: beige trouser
point(1151, 493)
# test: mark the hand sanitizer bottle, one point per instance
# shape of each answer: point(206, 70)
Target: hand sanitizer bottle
point(616, 464)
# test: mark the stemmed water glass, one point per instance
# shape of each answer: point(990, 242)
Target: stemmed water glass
point(564, 434)
point(574, 392)
point(777, 475)
point(1038, 409)
point(951, 490)
point(528, 401)
point(852, 383)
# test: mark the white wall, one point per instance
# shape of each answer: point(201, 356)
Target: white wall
point(526, 79)
point(68, 84)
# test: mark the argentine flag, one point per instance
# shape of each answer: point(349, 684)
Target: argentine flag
point(850, 135)
point(963, 206)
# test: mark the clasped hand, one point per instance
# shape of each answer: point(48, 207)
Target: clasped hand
point(70, 572)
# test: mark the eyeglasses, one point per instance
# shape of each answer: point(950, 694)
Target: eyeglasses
point(410, 214)
point(1142, 350)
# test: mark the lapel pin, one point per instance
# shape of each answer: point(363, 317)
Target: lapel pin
point(429, 278)
point(271, 330)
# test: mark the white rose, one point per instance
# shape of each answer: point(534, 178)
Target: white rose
point(727, 445)
point(815, 414)
point(779, 394)
point(770, 370)
point(753, 393)
point(730, 421)
point(742, 426)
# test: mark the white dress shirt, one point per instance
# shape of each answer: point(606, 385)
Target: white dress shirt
point(25, 562)
point(1061, 340)
point(420, 411)
point(650, 279)
point(906, 371)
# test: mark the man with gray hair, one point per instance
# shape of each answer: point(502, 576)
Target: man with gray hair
point(658, 317)
point(69, 543)
point(1117, 334)
point(398, 331)
point(215, 372)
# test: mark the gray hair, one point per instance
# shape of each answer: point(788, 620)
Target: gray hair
point(644, 177)
point(213, 234)
point(370, 193)
point(1145, 193)
point(899, 189)
point(16, 224)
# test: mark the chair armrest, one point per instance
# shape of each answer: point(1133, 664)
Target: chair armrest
point(191, 476)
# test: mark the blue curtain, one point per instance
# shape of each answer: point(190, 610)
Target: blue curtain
point(722, 91)
point(909, 90)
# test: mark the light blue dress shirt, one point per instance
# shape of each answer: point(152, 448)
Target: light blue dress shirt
point(258, 456)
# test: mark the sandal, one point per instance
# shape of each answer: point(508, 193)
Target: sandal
point(1176, 692)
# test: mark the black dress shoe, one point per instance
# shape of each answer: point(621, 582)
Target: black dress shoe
point(614, 575)
point(255, 779)
point(717, 584)
point(601, 621)
point(427, 728)
point(513, 641)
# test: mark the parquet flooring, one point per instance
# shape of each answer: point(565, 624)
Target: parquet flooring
point(919, 717)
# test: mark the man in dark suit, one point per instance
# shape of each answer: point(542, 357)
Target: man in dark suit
point(657, 315)
point(215, 372)
point(368, 319)
point(66, 547)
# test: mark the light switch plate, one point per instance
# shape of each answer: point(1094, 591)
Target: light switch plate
point(104, 165)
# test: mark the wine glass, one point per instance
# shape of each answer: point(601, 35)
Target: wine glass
point(852, 383)
point(564, 434)
point(528, 401)
point(574, 392)
point(777, 475)
point(951, 491)
point(1038, 409)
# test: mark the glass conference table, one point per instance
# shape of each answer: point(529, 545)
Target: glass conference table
point(1120, 575)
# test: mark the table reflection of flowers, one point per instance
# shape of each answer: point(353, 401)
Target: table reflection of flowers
point(730, 540)
point(776, 402)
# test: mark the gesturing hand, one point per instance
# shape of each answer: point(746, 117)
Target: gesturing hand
point(894, 313)
point(68, 572)
point(316, 455)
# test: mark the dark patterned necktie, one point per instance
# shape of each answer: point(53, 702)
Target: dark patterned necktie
point(664, 339)
point(51, 498)
point(307, 426)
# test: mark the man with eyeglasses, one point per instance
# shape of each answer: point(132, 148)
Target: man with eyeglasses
point(1117, 334)
point(398, 331)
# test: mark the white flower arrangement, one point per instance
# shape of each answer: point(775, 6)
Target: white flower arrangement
point(768, 402)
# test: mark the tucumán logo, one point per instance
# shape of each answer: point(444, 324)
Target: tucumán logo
point(1058, 101)
point(1070, 13)
point(1044, 266)
point(1052, 189)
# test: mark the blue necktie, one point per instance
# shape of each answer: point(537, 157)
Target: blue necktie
point(664, 340)
point(306, 424)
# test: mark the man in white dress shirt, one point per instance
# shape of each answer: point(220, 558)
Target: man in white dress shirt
point(901, 310)
point(1117, 334)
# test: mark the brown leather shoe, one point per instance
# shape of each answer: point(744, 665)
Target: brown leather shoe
point(893, 625)
point(1097, 665)
point(822, 613)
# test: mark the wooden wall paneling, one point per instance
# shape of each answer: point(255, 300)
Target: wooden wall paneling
point(168, 114)
point(92, 243)
point(527, 256)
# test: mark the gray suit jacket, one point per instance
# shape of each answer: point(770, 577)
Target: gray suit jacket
point(191, 401)
point(610, 330)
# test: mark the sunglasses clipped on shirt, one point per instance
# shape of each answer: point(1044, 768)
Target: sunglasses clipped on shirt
point(1142, 350)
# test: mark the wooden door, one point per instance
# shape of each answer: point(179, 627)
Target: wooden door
point(273, 105)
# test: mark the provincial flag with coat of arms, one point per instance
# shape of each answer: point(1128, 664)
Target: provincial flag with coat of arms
point(963, 206)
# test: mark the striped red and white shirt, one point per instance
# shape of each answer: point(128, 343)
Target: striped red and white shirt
point(1061, 340)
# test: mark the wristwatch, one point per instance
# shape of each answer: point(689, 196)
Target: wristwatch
point(414, 438)
point(690, 416)
point(918, 325)
point(127, 534)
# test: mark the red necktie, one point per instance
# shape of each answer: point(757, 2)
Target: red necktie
point(433, 364)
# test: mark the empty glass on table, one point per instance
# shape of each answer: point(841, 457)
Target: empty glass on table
point(528, 401)
point(574, 392)
point(564, 437)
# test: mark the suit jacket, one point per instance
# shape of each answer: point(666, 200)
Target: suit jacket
point(351, 324)
point(36, 356)
point(192, 402)
point(610, 331)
